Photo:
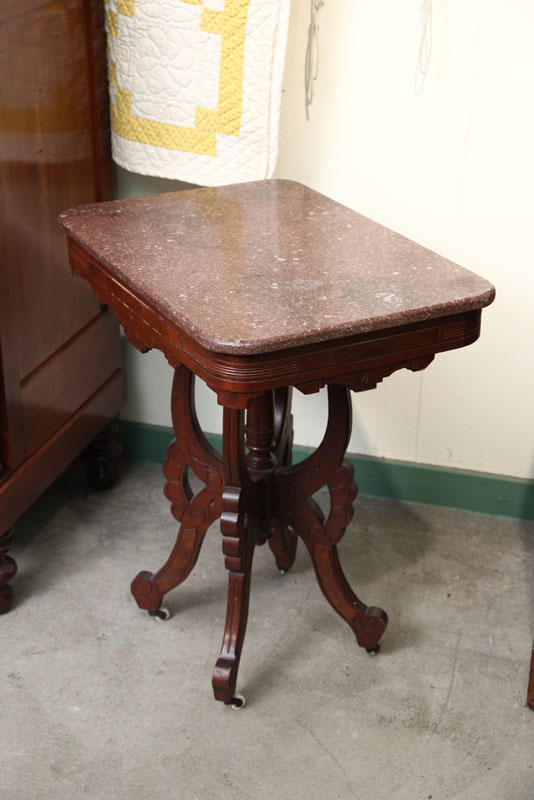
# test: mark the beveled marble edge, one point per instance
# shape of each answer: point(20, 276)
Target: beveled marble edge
point(243, 347)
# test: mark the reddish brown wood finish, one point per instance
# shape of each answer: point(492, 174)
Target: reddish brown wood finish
point(293, 488)
point(259, 497)
point(190, 450)
point(283, 540)
point(238, 530)
point(61, 375)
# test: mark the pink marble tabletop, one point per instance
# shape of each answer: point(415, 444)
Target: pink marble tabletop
point(264, 266)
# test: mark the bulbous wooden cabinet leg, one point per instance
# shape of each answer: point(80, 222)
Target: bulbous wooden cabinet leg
point(102, 458)
point(8, 570)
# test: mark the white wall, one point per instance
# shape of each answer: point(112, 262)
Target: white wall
point(448, 163)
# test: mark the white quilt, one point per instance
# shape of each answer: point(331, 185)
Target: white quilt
point(195, 87)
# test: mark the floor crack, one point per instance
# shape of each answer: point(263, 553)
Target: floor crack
point(451, 684)
point(329, 754)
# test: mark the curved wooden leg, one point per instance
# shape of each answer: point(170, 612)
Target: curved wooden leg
point(283, 544)
point(239, 538)
point(294, 487)
point(190, 449)
point(283, 541)
point(8, 570)
point(367, 622)
point(149, 589)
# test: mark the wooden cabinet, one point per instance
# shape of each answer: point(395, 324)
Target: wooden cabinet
point(61, 378)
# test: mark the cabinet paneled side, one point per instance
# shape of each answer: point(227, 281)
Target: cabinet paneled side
point(54, 151)
point(62, 377)
point(4, 442)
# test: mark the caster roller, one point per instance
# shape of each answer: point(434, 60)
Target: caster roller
point(238, 702)
point(283, 571)
point(373, 651)
point(161, 614)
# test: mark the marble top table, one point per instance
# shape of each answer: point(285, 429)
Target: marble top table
point(258, 288)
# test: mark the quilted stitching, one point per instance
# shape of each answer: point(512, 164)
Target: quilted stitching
point(195, 87)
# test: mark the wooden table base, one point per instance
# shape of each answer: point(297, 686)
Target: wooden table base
point(259, 497)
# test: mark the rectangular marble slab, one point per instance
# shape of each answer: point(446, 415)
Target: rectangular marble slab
point(265, 266)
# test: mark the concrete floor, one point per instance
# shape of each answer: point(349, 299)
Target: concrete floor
point(100, 701)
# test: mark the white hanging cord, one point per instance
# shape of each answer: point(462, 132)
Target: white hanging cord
point(425, 49)
point(311, 66)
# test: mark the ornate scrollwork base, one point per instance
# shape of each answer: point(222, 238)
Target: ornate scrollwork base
point(260, 496)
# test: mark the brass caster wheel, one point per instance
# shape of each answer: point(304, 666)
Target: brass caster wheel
point(161, 614)
point(373, 651)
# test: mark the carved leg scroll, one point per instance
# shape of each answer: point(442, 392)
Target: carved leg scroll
point(368, 623)
point(190, 449)
point(239, 539)
point(293, 489)
point(8, 570)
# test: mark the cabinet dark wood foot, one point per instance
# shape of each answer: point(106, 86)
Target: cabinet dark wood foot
point(102, 456)
point(8, 570)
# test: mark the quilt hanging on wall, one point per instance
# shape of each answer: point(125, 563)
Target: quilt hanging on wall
point(195, 87)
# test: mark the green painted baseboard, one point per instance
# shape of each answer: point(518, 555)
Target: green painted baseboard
point(398, 480)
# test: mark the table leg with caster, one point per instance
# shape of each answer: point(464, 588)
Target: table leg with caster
point(190, 450)
point(239, 540)
point(294, 488)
